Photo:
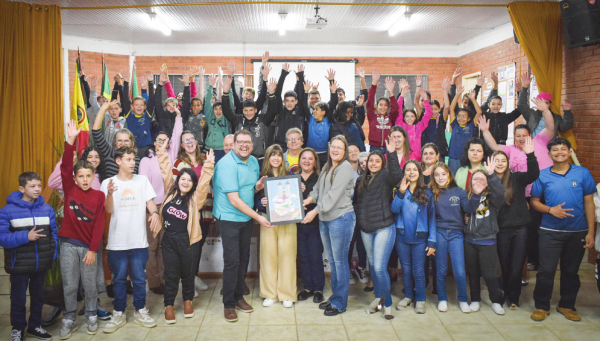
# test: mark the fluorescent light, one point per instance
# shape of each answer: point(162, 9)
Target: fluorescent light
point(401, 25)
point(282, 17)
point(159, 24)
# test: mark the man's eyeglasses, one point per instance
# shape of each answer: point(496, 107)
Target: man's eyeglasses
point(294, 139)
point(244, 143)
point(190, 140)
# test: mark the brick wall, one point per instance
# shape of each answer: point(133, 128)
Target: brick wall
point(91, 64)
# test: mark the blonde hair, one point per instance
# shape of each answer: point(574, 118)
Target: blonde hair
point(124, 131)
point(170, 100)
point(138, 98)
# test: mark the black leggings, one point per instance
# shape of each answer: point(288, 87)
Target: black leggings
point(179, 258)
point(481, 261)
point(512, 251)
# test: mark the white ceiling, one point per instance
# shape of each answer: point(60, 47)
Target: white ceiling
point(258, 23)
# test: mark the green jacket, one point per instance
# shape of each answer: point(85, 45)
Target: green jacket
point(462, 174)
point(217, 128)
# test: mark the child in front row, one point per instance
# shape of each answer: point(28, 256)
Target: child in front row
point(28, 236)
point(80, 236)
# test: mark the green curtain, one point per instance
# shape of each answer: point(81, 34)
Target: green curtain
point(31, 109)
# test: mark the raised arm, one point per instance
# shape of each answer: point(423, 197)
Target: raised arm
point(484, 126)
point(419, 81)
point(453, 106)
point(472, 97)
point(523, 103)
point(225, 102)
point(275, 106)
point(446, 109)
point(422, 124)
point(284, 72)
point(547, 114)
point(567, 120)
point(201, 87)
point(208, 169)
point(390, 84)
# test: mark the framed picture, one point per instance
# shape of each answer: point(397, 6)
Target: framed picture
point(284, 199)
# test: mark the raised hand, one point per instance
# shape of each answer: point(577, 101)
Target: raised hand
point(118, 78)
point(494, 77)
point(265, 58)
point(242, 81)
point(559, 212)
point(286, 67)
point(390, 84)
point(315, 87)
point(143, 82)
point(480, 80)
point(227, 83)
point(472, 95)
point(307, 86)
point(300, 68)
point(529, 146)
point(526, 79)
point(484, 124)
point(127, 76)
point(35, 234)
point(333, 86)
point(566, 104)
point(201, 70)
point(163, 78)
point(266, 70)
point(231, 68)
point(423, 94)
point(419, 80)
point(518, 85)
point(490, 165)
point(330, 75)
point(212, 79)
point(107, 105)
point(459, 89)
point(404, 184)
point(402, 83)
point(390, 145)
point(210, 156)
point(540, 104)
point(456, 74)
point(361, 72)
point(404, 90)
point(446, 84)
point(272, 85)
point(185, 78)
point(111, 188)
point(361, 100)
point(93, 80)
point(478, 187)
point(72, 131)
point(149, 76)
point(375, 75)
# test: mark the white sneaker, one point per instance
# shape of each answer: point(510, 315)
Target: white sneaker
point(92, 325)
point(474, 306)
point(361, 275)
point(374, 307)
point(443, 306)
point(269, 302)
point(464, 307)
point(352, 281)
point(200, 285)
point(195, 292)
point(288, 304)
point(497, 308)
point(68, 328)
point(420, 307)
point(143, 318)
point(405, 302)
point(117, 321)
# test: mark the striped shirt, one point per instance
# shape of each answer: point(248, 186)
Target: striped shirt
point(110, 166)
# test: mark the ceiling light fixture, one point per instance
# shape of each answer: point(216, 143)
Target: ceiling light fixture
point(159, 24)
point(282, 17)
point(401, 24)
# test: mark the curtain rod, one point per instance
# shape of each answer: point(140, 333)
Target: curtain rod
point(285, 3)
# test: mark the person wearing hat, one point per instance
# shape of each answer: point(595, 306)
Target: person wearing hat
point(534, 117)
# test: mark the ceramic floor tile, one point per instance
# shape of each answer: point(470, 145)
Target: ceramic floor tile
point(215, 315)
point(231, 332)
point(454, 317)
point(311, 316)
point(371, 332)
point(519, 316)
point(4, 285)
point(274, 315)
point(329, 333)
point(430, 333)
point(473, 332)
point(527, 332)
point(124, 334)
point(279, 333)
point(575, 331)
point(360, 317)
point(176, 333)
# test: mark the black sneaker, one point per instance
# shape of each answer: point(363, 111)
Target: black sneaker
point(39, 333)
point(129, 288)
point(318, 298)
point(17, 335)
point(305, 294)
point(332, 311)
point(325, 305)
point(110, 292)
point(368, 289)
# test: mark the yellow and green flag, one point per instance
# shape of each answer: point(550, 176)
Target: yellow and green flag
point(79, 114)
point(105, 90)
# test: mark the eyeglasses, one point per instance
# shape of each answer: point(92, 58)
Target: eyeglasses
point(161, 140)
point(244, 143)
point(190, 140)
point(294, 139)
point(462, 116)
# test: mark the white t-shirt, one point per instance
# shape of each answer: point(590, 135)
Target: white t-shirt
point(128, 221)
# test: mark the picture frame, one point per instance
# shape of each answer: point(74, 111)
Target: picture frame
point(284, 199)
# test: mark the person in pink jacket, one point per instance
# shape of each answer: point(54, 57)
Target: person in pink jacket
point(150, 167)
point(413, 128)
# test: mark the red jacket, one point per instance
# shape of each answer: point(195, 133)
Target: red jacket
point(380, 125)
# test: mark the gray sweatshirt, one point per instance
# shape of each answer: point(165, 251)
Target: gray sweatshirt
point(334, 199)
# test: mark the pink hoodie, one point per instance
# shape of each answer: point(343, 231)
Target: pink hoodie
point(416, 130)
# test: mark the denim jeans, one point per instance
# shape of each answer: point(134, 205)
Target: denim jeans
point(121, 263)
point(512, 252)
point(310, 254)
point(18, 300)
point(454, 165)
point(336, 235)
point(412, 259)
point(450, 242)
point(379, 245)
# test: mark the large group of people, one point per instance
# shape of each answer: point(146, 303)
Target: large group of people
point(162, 171)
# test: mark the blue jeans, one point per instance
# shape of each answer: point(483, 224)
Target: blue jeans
point(18, 300)
point(379, 245)
point(454, 165)
point(336, 235)
point(412, 258)
point(119, 263)
point(451, 242)
point(310, 253)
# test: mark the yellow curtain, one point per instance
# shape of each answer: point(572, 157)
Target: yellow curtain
point(31, 109)
point(538, 26)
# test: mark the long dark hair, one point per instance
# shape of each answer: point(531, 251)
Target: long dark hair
point(341, 112)
point(329, 164)
point(174, 190)
point(182, 154)
point(100, 169)
point(420, 194)
point(464, 159)
point(363, 178)
point(506, 177)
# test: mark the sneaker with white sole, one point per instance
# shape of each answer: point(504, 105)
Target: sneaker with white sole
point(200, 285)
point(116, 321)
point(92, 325)
point(361, 274)
point(474, 306)
point(497, 308)
point(288, 304)
point(420, 307)
point(39, 333)
point(143, 318)
point(443, 306)
point(67, 329)
point(374, 307)
point(16, 335)
point(464, 307)
point(405, 302)
point(269, 302)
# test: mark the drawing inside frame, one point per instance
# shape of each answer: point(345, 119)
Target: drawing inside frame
point(284, 199)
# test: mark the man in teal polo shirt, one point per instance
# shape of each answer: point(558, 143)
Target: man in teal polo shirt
point(235, 182)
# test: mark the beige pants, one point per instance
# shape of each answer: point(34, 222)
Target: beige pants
point(278, 245)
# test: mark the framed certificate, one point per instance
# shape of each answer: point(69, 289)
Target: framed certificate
point(284, 199)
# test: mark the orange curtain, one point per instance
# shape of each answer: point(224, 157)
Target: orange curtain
point(31, 109)
point(538, 26)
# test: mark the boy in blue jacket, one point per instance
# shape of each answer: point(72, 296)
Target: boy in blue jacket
point(28, 236)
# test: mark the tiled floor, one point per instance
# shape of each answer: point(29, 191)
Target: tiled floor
point(306, 322)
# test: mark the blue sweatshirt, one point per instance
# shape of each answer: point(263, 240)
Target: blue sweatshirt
point(318, 134)
point(451, 206)
point(415, 222)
